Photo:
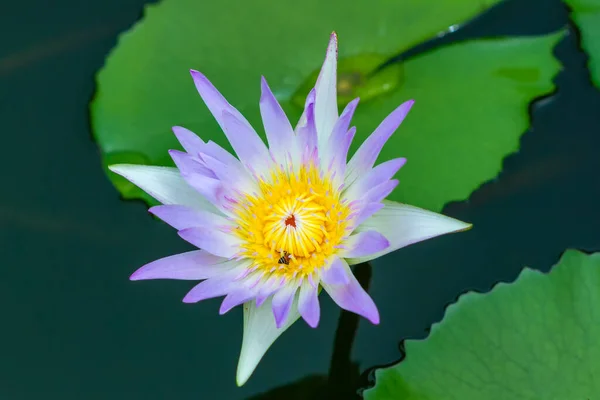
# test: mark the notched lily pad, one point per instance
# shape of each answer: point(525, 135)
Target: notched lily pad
point(536, 338)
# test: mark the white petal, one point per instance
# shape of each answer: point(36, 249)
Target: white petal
point(259, 334)
point(326, 111)
point(165, 184)
point(403, 225)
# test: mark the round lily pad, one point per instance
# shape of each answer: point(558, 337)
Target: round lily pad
point(536, 338)
point(471, 98)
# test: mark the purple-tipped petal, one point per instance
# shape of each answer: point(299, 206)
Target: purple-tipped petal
point(403, 225)
point(335, 273)
point(215, 242)
point(195, 175)
point(214, 100)
point(339, 134)
point(310, 100)
point(342, 124)
point(210, 288)
point(277, 125)
point(380, 192)
point(352, 297)
point(235, 298)
point(326, 111)
point(306, 135)
point(231, 176)
point(164, 184)
point(244, 140)
point(308, 304)
point(189, 165)
point(367, 153)
point(219, 153)
point(182, 217)
point(282, 303)
point(193, 265)
point(248, 146)
point(366, 212)
point(194, 145)
point(267, 289)
point(364, 243)
point(190, 142)
point(338, 166)
point(375, 177)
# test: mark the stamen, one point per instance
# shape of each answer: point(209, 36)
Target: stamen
point(291, 224)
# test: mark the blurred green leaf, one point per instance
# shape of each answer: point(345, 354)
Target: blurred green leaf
point(471, 97)
point(586, 15)
point(536, 338)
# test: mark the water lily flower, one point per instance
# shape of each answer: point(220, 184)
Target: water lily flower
point(277, 224)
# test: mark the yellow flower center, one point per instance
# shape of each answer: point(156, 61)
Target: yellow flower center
point(294, 224)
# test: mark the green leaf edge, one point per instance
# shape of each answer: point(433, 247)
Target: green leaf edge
point(382, 374)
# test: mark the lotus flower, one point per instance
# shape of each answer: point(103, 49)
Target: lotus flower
point(277, 224)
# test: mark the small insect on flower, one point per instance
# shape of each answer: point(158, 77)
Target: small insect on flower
point(277, 224)
point(285, 258)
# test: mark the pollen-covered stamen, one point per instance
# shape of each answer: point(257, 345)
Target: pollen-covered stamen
point(292, 226)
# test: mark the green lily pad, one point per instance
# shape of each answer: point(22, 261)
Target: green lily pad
point(471, 109)
point(471, 97)
point(536, 338)
point(586, 15)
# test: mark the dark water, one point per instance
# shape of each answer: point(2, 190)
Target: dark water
point(74, 327)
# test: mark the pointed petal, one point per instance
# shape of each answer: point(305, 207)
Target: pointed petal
point(404, 225)
point(367, 210)
point(277, 125)
point(215, 101)
point(267, 289)
point(194, 145)
point(306, 136)
point(326, 111)
point(380, 192)
point(367, 153)
point(342, 124)
point(282, 303)
point(339, 134)
point(338, 165)
point(215, 242)
point(259, 334)
point(308, 304)
point(248, 146)
point(352, 297)
point(335, 273)
point(219, 153)
point(310, 99)
point(193, 265)
point(182, 217)
point(189, 165)
point(236, 298)
point(234, 178)
point(364, 243)
point(378, 175)
point(164, 184)
point(212, 287)
point(190, 142)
